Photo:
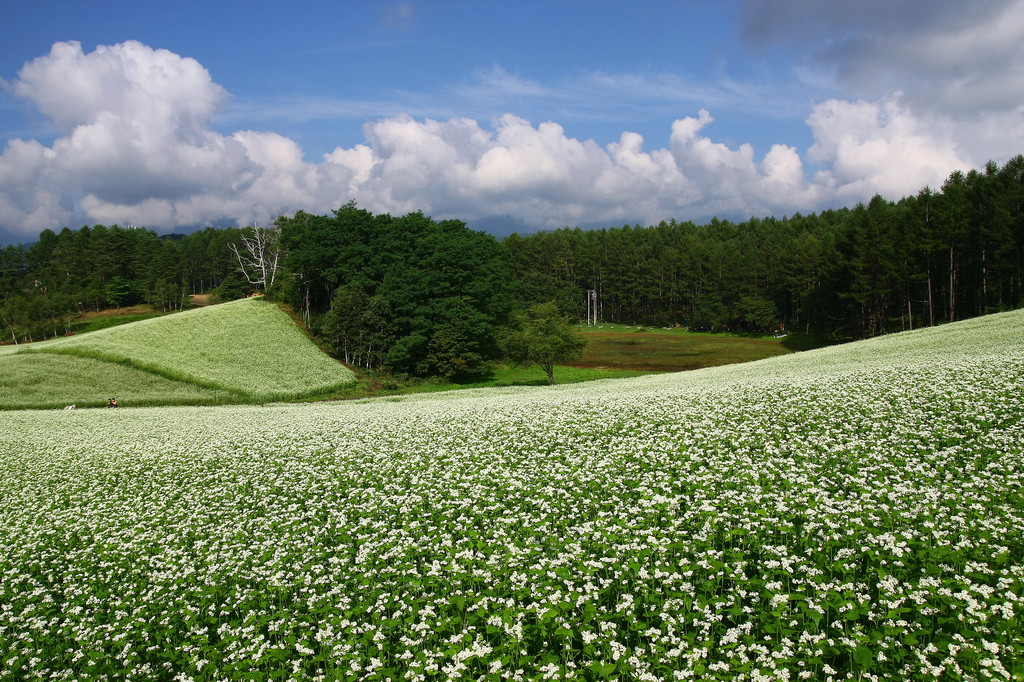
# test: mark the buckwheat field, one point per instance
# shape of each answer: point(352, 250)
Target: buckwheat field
point(853, 513)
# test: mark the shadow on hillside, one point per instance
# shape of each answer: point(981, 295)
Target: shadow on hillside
point(802, 342)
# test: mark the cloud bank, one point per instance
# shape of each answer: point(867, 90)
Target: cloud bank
point(944, 55)
point(136, 146)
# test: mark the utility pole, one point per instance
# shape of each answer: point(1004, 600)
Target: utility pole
point(591, 307)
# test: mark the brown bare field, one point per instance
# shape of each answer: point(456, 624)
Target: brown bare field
point(117, 312)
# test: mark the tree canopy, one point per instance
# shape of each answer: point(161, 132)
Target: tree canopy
point(408, 294)
point(855, 272)
point(542, 336)
point(43, 286)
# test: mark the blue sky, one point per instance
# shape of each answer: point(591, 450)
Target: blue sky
point(178, 115)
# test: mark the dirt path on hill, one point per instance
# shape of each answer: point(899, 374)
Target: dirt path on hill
point(112, 312)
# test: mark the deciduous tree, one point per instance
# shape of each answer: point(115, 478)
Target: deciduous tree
point(542, 336)
point(258, 256)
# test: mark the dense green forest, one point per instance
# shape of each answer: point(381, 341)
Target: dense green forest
point(45, 286)
point(935, 257)
point(408, 294)
point(418, 296)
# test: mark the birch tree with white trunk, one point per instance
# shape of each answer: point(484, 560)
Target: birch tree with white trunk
point(258, 256)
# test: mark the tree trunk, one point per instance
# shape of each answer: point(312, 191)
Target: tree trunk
point(549, 369)
point(952, 285)
point(931, 302)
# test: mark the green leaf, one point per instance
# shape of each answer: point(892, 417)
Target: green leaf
point(863, 657)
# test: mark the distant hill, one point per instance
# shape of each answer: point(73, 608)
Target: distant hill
point(243, 351)
point(501, 226)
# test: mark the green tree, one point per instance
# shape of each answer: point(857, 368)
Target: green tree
point(165, 295)
point(358, 326)
point(342, 325)
point(542, 336)
point(117, 292)
point(407, 294)
point(231, 288)
point(873, 266)
point(455, 349)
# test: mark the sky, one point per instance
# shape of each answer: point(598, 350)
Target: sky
point(529, 114)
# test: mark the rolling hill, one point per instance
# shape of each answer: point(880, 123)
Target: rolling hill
point(854, 512)
point(242, 351)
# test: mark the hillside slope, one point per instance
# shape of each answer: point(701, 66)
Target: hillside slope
point(51, 380)
point(855, 512)
point(248, 348)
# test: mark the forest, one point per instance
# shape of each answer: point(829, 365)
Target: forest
point(413, 295)
point(935, 257)
point(407, 294)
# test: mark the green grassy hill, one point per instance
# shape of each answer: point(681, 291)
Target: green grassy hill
point(243, 351)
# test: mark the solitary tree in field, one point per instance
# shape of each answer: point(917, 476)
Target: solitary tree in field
point(541, 336)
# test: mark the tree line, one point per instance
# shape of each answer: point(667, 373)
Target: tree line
point(935, 257)
point(44, 286)
point(413, 295)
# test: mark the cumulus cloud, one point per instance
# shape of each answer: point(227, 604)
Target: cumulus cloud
point(129, 81)
point(136, 146)
point(935, 85)
point(30, 200)
point(135, 123)
point(880, 148)
point(538, 173)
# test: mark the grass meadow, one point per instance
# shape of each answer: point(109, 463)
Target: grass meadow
point(40, 380)
point(674, 350)
point(96, 321)
point(612, 352)
point(850, 513)
point(243, 351)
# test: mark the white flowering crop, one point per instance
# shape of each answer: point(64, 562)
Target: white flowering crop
point(851, 513)
point(8, 349)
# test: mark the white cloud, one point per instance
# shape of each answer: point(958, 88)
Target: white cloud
point(399, 16)
point(30, 200)
point(130, 81)
point(136, 135)
point(538, 173)
point(137, 147)
point(880, 148)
